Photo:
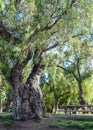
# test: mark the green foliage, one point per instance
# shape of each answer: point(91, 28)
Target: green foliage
point(5, 94)
point(34, 24)
point(6, 118)
point(75, 60)
point(58, 89)
point(8, 122)
point(88, 90)
point(37, 26)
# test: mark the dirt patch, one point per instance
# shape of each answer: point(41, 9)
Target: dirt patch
point(32, 125)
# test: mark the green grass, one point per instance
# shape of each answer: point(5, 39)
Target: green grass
point(62, 114)
point(8, 122)
point(54, 114)
point(79, 125)
point(6, 119)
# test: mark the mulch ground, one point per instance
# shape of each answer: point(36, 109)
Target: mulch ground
point(31, 125)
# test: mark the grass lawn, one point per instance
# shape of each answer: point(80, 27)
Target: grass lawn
point(56, 121)
point(5, 117)
point(73, 124)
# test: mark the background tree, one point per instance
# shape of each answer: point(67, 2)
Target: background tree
point(28, 29)
point(5, 95)
point(88, 90)
point(77, 61)
point(58, 89)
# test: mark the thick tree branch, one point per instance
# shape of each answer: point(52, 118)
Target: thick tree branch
point(57, 43)
point(49, 25)
point(78, 70)
point(36, 70)
point(16, 71)
point(20, 66)
point(7, 35)
point(51, 47)
point(25, 61)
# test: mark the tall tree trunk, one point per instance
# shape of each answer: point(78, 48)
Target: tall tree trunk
point(56, 105)
point(27, 98)
point(1, 107)
point(82, 100)
point(36, 98)
point(79, 80)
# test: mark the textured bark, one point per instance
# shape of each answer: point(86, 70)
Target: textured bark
point(28, 102)
point(27, 98)
point(36, 98)
point(21, 103)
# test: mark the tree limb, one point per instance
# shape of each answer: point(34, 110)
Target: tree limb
point(56, 44)
point(61, 95)
point(18, 68)
point(48, 27)
point(7, 35)
point(69, 72)
point(51, 47)
point(78, 69)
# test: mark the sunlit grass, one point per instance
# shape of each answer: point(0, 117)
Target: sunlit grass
point(63, 114)
point(79, 125)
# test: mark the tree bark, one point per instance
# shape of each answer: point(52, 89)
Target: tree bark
point(27, 98)
point(1, 106)
point(36, 97)
point(82, 100)
point(79, 80)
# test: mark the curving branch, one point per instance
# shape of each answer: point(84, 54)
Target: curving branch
point(49, 25)
point(16, 71)
point(23, 63)
point(69, 71)
point(7, 35)
point(57, 43)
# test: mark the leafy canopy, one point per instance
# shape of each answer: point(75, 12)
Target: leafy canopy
point(37, 26)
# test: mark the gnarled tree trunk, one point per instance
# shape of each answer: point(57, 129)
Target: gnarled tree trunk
point(27, 98)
